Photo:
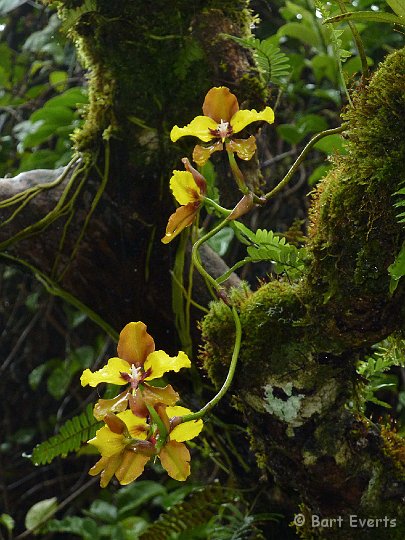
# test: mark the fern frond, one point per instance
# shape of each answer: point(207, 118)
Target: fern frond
point(267, 246)
point(272, 62)
point(70, 438)
point(197, 510)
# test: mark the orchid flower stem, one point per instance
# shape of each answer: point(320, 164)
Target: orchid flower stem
point(220, 209)
point(228, 381)
point(237, 173)
point(158, 421)
point(301, 158)
point(195, 258)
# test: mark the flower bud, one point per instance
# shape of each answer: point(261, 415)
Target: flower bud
point(115, 424)
point(243, 207)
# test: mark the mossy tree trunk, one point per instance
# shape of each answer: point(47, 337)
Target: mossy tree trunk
point(301, 341)
point(149, 68)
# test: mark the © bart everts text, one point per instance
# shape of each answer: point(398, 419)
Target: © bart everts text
point(353, 521)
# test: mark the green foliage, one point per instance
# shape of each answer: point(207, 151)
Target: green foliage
point(70, 438)
point(121, 516)
point(232, 524)
point(389, 353)
point(267, 246)
point(397, 269)
point(190, 53)
point(8, 522)
point(39, 513)
point(273, 64)
point(61, 372)
point(188, 519)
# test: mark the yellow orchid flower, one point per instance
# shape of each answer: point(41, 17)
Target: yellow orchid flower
point(126, 445)
point(189, 188)
point(137, 361)
point(118, 433)
point(222, 119)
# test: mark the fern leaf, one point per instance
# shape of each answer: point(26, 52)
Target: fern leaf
point(201, 505)
point(272, 62)
point(269, 247)
point(70, 438)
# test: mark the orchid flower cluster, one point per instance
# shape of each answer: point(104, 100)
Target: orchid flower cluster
point(221, 121)
point(144, 422)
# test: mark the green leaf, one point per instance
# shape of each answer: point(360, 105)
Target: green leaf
point(318, 173)
point(40, 512)
point(7, 521)
point(36, 375)
point(58, 79)
point(53, 115)
point(58, 381)
point(86, 528)
point(331, 144)
point(220, 241)
point(131, 498)
point(104, 511)
point(397, 7)
point(372, 16)
point(397, 269)
point(70, 438)
point(273, 63)
point(303, 33)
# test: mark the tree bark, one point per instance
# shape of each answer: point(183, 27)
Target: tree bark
point(142, 80)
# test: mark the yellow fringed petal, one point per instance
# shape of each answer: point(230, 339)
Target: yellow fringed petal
point(184, 187)
point(199, 127)
point(243, 118)
point(244, 148)
point(201, 154)
point(110, 373)
point(187, 430)
point(135, 343)
point(160, 362)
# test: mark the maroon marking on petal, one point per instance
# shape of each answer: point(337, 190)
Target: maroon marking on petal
point(125, 376)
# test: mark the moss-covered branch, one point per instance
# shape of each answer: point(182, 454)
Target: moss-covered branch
point(301, 341)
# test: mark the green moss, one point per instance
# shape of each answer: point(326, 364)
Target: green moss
point(355, 234)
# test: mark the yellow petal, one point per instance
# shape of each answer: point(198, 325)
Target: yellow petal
point(107, 442)
point(159, 362)
point(199, 127)
point(201, 154)
point(111, 373)
point(243, 118)
point(175, 458)
point(135, 343)
point(107, 467)
point(244, 148)
point(132, 466)
point(182, 218)
point(137, 426)
point(105, 406)
point(187, 430)
point(184, 187)
point(220, 104)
